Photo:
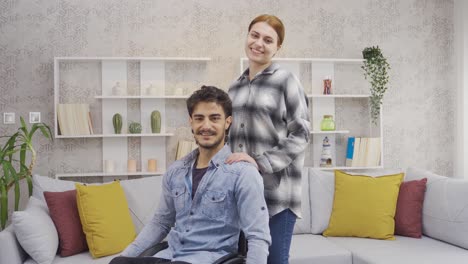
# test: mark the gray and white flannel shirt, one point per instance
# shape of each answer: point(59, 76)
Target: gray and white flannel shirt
point(271, 124)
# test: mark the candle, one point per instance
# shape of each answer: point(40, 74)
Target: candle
point(108, 166)
point(131, 165)
point(152, 165)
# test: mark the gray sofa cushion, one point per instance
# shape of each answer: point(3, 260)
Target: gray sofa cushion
point(322, 192)
point(143, 197)
point(316, 249)
point(445, 209)
point(403, 250)
point(303, 225)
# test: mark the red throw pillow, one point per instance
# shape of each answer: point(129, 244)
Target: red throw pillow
point(64, 213)
point(408, 216)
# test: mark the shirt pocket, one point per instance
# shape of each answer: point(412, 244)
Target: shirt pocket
point(214, 204)
point(268, 101)
point(178, 196)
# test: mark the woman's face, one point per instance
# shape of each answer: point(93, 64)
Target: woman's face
point(261, 44)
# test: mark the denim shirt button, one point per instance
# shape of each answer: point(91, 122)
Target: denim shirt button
point(263, 207)
point(191, 213)
point(182, 242)
point(186, 230)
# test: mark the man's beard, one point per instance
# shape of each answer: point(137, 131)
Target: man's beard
point(213, 145)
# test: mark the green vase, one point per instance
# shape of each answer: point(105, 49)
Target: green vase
point(327, 123)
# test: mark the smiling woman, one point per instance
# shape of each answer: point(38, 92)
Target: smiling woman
point(270, 110)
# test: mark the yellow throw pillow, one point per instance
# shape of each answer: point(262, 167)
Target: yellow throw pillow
point(105, 218)
point(364, 206)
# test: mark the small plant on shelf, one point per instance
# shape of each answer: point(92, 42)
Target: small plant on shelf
point(134, 128)
point(155, 122)
point(117, 123)
point(14, 170)
point(376, 70)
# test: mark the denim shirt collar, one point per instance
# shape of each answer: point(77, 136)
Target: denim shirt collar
point(216, 161)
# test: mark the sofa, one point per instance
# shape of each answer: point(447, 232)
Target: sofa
point(444, 223)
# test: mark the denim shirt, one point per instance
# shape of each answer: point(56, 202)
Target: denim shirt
point(229, 198)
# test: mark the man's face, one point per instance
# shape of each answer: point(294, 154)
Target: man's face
point(209, 124)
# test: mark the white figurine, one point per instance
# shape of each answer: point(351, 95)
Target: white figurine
point(326, 157)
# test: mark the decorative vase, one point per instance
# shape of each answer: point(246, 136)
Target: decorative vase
point(152, 90)
point(327, 85)
point(155, 122)
point(117, 123)
point(134, 128)
point(327, 123)
point(117, 89)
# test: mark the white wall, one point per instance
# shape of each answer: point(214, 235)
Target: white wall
point(416, 37)
point(461, 73)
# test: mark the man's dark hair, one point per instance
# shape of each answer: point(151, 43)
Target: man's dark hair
point(210, 94)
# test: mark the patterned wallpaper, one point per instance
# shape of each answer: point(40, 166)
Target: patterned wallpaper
point(415, 35)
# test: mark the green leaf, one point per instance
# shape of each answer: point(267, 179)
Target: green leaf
point(3, 203)
point(46, 132)
point(30, 185)
point(22, 156)
point(17, 194)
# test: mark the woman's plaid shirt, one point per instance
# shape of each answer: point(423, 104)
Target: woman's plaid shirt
point(271, 124)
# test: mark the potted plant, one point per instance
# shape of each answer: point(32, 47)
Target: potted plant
point(376, 70)
point(12, 169)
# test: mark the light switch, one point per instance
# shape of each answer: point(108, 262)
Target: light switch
point(34, 117)
point(9, 118)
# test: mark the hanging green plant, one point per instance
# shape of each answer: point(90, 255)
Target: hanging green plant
point(376, 70)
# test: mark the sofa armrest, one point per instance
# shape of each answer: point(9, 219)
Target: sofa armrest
point(10, 250)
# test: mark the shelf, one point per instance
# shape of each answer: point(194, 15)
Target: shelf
point(330, 132)
point(132, 58)
point(141, 97)
point(118, 135)
point(106, 174)
point(349, 168)
point(338, 95)
point(315, 60)
point(143, 82)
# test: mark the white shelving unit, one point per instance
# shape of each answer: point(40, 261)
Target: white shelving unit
point(113, 70)
point(321, 105)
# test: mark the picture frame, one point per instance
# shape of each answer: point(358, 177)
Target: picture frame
point(34, 117)
point(8, 118)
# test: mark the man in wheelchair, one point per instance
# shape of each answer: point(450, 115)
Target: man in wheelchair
point(205, 202)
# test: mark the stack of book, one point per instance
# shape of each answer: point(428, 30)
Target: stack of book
point(74, 119)
point(184, 147)
point(363, 152)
